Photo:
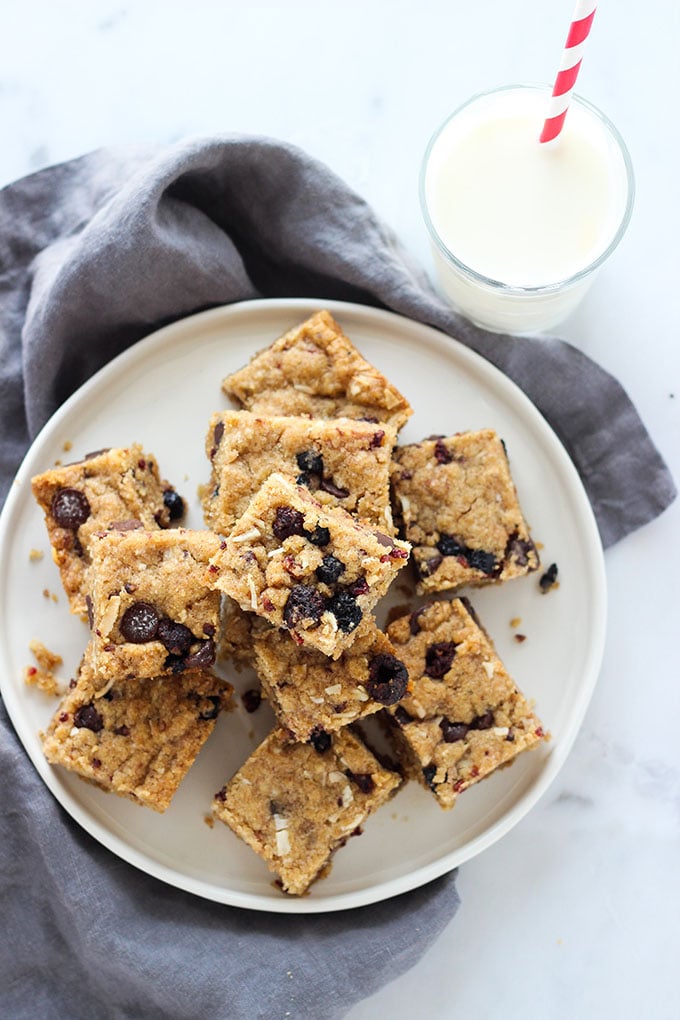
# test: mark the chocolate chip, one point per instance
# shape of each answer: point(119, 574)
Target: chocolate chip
point(482, 722)
point(218, 432)
point(344, 607)
point(520, 550)
point(548, 579)
point(139, 623)
point(90, 611)
point(387, 679)
point(320, 536)
point(402, 716)
point(438, 659)
point(376, 439)
point(414, 620)
point(122, 731)
point(320, 740)
point(252, 699)
point(330, 569)
point(427, 567)
point(174, 503)
point(441, 453)
point(70, 508)
point(429, 772)
point(452, 731)
point(132, 524)
point(221, 795)
point(287, 522)
point(364, 780)
point(384, 540)
point(202, 657)
point(304, 479)
point(310, 462)
point(329, 486)
point(174, 636)
point(88, 718)
point(304, 603)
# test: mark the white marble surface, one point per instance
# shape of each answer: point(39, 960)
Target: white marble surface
point(575, 913)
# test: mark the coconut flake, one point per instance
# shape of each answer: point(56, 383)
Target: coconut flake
point(246, 536)
point(253, 593)
point(105, 690)
point(489, 668)
point(333, 689)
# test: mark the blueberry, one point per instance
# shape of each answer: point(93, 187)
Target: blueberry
point(304, 603)
point(548, 579)
point(310, 462)
point(344, 607)
point(174, 503)
point(88, 718)
point(70, 508)
point(329, 569)
point(320, 536)
point(438, 659)
point(140, 623)
point(387, 679)
point(480, 560)
point(450, 546)
point(287, 522)
point(429, 772)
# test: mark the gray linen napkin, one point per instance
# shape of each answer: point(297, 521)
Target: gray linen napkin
point(95, 254)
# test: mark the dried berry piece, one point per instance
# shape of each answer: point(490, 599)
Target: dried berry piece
point(88, 718)
point(320, 536)
point(320, 740)
point(174, 636)
point(70, 508)
point(310, 462)
point(212, 711)
point(139, 623)
point(287, 522)
point(330, 569)
point(344, 607)
point(358, 587)
point(427, 567)
point(252, 699)
point(364, 780)
point(441, 454)
point(548, 579)
point(304, 603)
point(387, 679)
point(438, 659)
point(174, 503)
point(453, 731)
point(376, 439)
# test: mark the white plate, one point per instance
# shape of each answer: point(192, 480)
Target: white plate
point(161, 393)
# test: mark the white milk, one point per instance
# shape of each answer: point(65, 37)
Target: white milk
point(519, 228)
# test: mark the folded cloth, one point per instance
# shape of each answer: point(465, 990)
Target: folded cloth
point(95, 254)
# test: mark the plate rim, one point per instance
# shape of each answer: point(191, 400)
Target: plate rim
point(588, 531)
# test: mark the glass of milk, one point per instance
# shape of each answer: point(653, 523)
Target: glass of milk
point(519, 229)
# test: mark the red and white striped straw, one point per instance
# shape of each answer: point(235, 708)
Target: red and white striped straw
point(570, 65)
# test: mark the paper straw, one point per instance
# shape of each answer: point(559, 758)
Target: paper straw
point(570, 65)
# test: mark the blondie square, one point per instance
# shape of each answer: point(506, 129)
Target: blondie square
point(464, 716)
point(135, 738)
point(151, 612)
point(106, 489)
point(295, 805)
point(315, 370)
point(456, 502)
point(342, 462)
point(313, 695)
point(311, 569)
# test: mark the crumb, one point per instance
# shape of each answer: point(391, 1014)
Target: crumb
point(516, 620)
point(209, 821)
point(68, 445)
point(539, 546)
point(43, 676)
point(252, 700)
point(519, 638)
point(35, 554)
point(57, 463)
point(47, 594)
point(548, 580)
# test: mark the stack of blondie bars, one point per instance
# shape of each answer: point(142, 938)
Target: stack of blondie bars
point(311, 510)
